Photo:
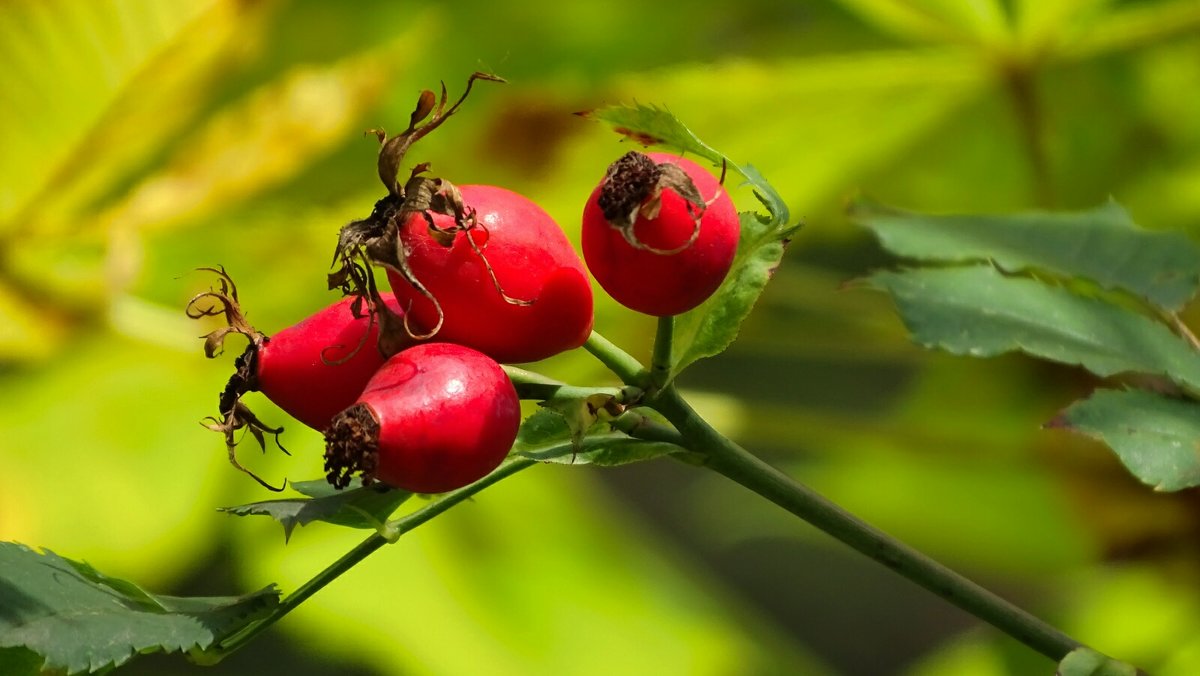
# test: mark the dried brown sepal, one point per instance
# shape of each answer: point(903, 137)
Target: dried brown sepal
point(391, 155)
point(376, 240)
point(352, 446)
point(633, 186)
point(238, 418)
point(218, 301)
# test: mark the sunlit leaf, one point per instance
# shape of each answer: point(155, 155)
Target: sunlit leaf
point(936, 20)
point(64, 64)
point(1102, 244)
point(1132, 25)
point(359, 507)
point(1156, 437)
point(980, 312)
point(257, 142)
point(1088, 662)
point(78, 619)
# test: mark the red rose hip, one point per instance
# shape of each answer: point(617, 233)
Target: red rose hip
point(659, 233)
point(549, 304)
point(435, 417)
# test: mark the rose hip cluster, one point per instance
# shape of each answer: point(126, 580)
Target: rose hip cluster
point(407, 386)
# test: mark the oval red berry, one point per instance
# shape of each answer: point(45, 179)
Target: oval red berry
point(662, 274)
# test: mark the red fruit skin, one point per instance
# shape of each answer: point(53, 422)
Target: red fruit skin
point(447, 416)
point(664, 284)
point(532, 259)
point(296, 367)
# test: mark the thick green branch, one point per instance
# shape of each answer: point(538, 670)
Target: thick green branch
point(737, 464)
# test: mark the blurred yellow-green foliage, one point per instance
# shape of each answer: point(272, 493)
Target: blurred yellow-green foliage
point(140, 139)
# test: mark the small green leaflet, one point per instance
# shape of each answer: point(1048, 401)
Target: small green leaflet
point(1156, 437)
point(1088, 662)
point(78, 619)
point(353, 507)
point(1101, 244)
point(546, 436)
point(710, 328)
point(980, 312)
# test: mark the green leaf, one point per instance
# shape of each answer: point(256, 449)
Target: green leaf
point(711, 327)
point(980, 312)
point(360, 507)
point(1156, 437)
point(78, 619)
point(1102, 244)
point(1088, 662)
point(547, 436)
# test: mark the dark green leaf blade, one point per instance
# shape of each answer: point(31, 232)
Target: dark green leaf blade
point(980, 312)
point(87, 622)
point(547, 436)
point(1101, 244)
point(361, 507)
point(1157, 438)
point(1088, 662)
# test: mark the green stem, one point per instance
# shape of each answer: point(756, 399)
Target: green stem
point(628, 369)
point(660, 362)
point(392, 530)
point(737, 464)
point(532, 385)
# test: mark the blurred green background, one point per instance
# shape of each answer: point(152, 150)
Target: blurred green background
point(141, 139)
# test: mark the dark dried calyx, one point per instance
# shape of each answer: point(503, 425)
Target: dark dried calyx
point(630, 181)
point(352, 446)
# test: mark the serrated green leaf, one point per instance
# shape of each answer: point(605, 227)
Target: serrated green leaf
point(78, 619)
point(1156, 437)
point(978, 311)
point(1088, 662)
point(548, 437)
point(651, 125)
point(712, 326)
point(1102, 244)
point(361, 507)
